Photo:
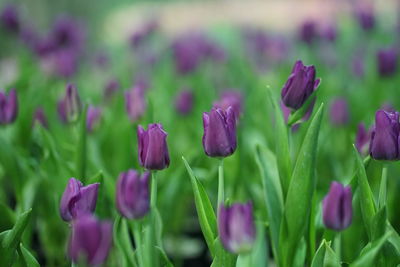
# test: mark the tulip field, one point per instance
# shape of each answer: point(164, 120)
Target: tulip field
point(230, 146)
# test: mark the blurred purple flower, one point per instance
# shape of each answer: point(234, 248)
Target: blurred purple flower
point(132, 196)
point(339, 112)
point(219, 138)
point(152, 147)
point(387, 61)
point(70, 107)
point(236, 227)
point(363, 137)
point(135, 103)
point(8, 107)
point(230, 98)
point(111, 87)
point(337, 210)
point(140, 36)
point(358, 66)
point(78, 200)
point(92, 118)
point(366, 17)
point(329, 32)
point(384, 144)
point(184, 102)
point(308, 32)
point(40, 117)
point(299, 86)
point(9, 18)
point(91, 240)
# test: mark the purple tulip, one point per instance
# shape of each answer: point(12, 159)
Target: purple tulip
point(236, 227)
point(362, 139)
point(111, 87)
point(219, 139)
point(135, 103)
point(152, 147)
point(339, 112)
point(387, 62)
point(184, 102)
point(337, 208)
point(90, 240)
point(70, 107)
point(132, 196)
point(308, 32)
point(67, 34)
point(92, 117)
point(140, 37)
point(40, 117)
point(9, 19)
point(8, 107)
point(385, 135)
point(357, 66)
point(299, 86)
point(366, 18)
point(329, 32)
point(78, 200)
point(230, 98)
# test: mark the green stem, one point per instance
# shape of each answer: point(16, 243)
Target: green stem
point(221, 197)
point(136, 227)
point(383, 187)
point(244, 260)
point(153, 196)
point(338, 244)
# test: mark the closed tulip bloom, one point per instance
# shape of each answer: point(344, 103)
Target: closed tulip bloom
point(132, 197)
point(299, 86)
point(339, 112)
point(78, 200)
point(363, 137)
point(90, 240)
point(92, 117)
point(387, 62)
point(135, 103)
point(385, 135)
point(40, 117)
point(70, 106)
point(219, 139)
point(152, 147)
point(111, 87)
point(236, 227)
point(337, 209)
point(366, 18)
point(9, 19)
point(8, 107)
point(184, 102)
point(308, 32)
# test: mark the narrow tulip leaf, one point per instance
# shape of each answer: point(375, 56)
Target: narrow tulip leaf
point(222, 257)
point(282, 145)
point(300, 193)
point(258, 255)
point(319, 256)
point(28, 258)
point(81, 146)
point(379, 224)
point(7, 218)
point(273, 197)
point(367, 203)
point(394, 239)
point(13, 237)
point(301, 254)
point(369, 253)
point(122, 241)
point(97, 178)
point(165, 261)
point(299, 114)
point(205, 211)
point(331, 259)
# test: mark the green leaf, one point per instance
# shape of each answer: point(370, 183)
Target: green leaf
point(13, 237)
point(222, 257)
point(282, 145)
point(367, 202)
point(301, 190)
point(29, 259)
point(301, 253)
point(205, 211)
point(299, 114)
point(259, 257)
point(379, 224)
point(166, 262)
point(81, 146)
point(7, 218)
point(319, 256)
point(122, 241)
point(325, 256)
point(273, 198)
point(369, 253)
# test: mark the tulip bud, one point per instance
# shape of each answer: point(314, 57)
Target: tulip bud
point(132, 197)
point(308, 32)
point(339, 112)
point(336, 207)
point(78, 199)
point(111, 88)
point(9, 19)
point(385, 135)
point(330, 32)
point(299, 86)
point(366, 18)
point(362, 139)
point(90, 240)
point(232, 99)
point(135, 103)
point(387, 62)
point(236, 227)
point(152, 147)
point(184, 102)
point(93, 117)
point(219, 139)
point(40, 117)
point(70, 106)
point(8, 107)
